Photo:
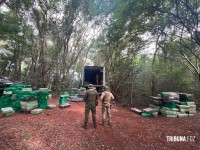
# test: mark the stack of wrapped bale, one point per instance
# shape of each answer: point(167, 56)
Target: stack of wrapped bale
point(8, 98)
point(43, 97)
point(64, 100)
point(81, 92)
point(187, 105)
point(5, 100)
point(74, 95)
point(192, 108)
point(184, 97)
point(156, 101)
point(3, 85)
point(169, 112)
point(148, 112)
point(28, 99)
point(137, 111)
point(170, 101)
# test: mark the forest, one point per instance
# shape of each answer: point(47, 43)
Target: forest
point(146, 46)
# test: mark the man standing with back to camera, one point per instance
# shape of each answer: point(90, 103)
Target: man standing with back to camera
point(91, 101)
point(106, 98)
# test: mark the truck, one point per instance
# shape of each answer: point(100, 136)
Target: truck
point(94, 75)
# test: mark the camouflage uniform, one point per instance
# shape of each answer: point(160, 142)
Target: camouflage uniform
point(91, 101)
point(106, 97)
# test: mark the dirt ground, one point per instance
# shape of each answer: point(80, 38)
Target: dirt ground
point(60, 129)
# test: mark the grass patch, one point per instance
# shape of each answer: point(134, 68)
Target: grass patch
point(1, 127)
point(27, 147)
point(26, 135)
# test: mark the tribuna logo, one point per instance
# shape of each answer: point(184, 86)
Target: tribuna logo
point(180, 138)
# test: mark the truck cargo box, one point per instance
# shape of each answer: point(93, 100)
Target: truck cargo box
point(94, 75)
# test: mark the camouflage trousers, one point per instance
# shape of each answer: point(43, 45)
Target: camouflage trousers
point(106, 110)
point(87, 111)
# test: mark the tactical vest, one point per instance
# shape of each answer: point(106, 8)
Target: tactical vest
point(91, 96)
point(107, 97)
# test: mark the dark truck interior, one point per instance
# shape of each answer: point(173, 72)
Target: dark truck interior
point(93, 75)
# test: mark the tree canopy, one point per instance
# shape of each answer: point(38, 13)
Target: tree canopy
point(47, 43)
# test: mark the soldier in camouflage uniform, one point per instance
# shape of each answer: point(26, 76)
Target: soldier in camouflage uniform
point(91, 101)
point(106, 98)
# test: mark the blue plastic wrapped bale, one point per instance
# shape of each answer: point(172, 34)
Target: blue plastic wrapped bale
point(184, 97)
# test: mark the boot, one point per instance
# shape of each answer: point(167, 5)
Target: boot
point(85, 126)
point(103, 123)
point(110, 124)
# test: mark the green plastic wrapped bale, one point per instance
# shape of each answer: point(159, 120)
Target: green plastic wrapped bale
point(65, 93)
point(5, 101)
point(63, 100)
point(167, 95)
point(17, 109)
point(43, 93)
point(10, 89)
point(43, 104)
point(5, 97)
point(170, 104)
point(16, 105)
point(16, 85)
point(4, 104)
point(146, 115)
